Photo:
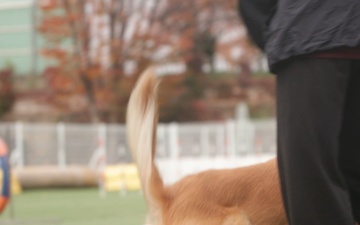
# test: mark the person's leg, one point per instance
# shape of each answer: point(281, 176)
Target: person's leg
point(350, 139)
point(310, 101)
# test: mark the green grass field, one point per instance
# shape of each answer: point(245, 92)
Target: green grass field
point(75, 207)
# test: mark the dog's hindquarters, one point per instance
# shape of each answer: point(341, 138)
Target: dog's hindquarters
point(241, 196)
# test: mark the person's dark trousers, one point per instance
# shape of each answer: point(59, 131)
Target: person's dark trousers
point(318, 112)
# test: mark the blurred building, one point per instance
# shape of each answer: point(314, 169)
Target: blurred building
point(18, 39)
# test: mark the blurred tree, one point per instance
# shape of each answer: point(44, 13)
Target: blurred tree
point(7, 94)
point(73, 72)
point(197, 26)
point(99, 47)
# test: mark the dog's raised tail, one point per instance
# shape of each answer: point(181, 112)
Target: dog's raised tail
point(141, 122)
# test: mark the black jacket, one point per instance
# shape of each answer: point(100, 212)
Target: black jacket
point(287, 28)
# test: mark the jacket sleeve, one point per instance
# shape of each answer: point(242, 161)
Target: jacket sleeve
point(256, 15)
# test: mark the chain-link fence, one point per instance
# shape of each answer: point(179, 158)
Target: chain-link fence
point(33, 144)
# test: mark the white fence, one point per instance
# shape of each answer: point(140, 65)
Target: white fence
point(61, 144)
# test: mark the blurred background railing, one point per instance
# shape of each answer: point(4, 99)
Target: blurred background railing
point(64, 144)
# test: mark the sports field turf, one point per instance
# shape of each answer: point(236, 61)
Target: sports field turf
point(75, 207)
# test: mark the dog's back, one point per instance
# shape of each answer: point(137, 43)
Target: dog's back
point(247, 195)
point(244, 196)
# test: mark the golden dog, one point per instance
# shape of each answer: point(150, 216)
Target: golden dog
point(242, 196)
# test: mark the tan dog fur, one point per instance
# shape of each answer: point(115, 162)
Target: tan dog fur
point(243, 196)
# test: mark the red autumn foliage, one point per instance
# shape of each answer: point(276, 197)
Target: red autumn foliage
point(99, 48)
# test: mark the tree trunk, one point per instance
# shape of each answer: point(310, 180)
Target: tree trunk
point(90, 96)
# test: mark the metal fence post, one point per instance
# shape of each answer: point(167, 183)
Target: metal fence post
point(102, 148)
point(244, 130)
point(19, 143)
point(173, 141)
point(102, 139)
point(230, 138)
point(204, 140)
point(61, 145)
point(220, 137)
